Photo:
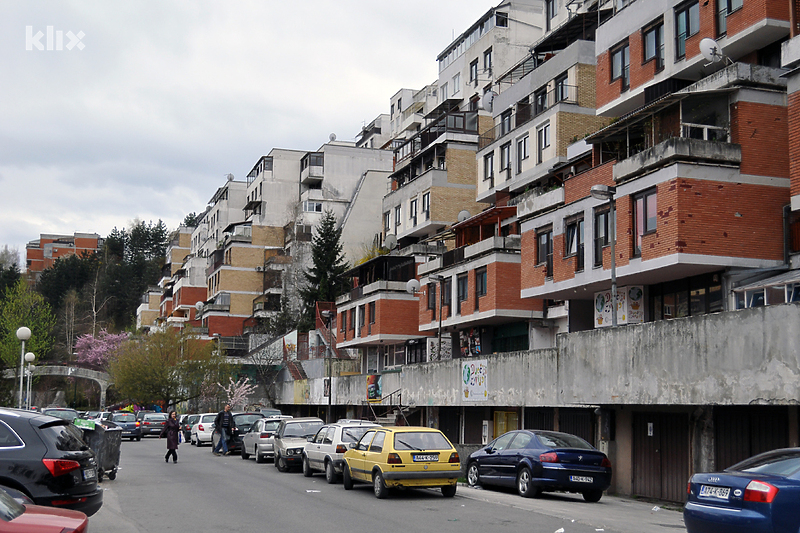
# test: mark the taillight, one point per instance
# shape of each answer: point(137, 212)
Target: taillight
point(265, 435)
point(68, 502)
point(454, 458)
point(688, 487)
point(341, 448)
point(605, 463)
point(138, 423)
point(59, 467)
point(549, 457)
point(394, 459)
point(200, 427)
point(147, 423)
point(760, 492)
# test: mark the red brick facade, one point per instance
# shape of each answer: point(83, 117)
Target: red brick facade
point(756, 126)
point(794, 142)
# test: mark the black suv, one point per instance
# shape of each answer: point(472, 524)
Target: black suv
point(243, 422)
point(46, 458)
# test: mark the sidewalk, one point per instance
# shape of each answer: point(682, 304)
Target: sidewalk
point(612, 514)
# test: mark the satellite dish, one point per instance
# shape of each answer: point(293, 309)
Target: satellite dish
point(709, 50)
point(332, 137)
point(230, 177)
point(390, 242)
point(412, 287)
point(198, 306)
point(487, 100)
point(463, 215)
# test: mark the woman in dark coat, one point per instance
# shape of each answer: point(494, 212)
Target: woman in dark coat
point(171, 430)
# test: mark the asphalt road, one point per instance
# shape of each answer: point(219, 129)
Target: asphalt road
point(205, 493)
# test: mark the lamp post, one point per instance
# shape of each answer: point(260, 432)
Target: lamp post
point(29, 358)
point(23, 334)
point(440, 280)
point(605, 192)
point(328, 316)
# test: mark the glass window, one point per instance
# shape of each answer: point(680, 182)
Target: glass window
point(505, 122)
point(412, 212)
point(443, 92)
point(654, 44)
point(644, 207)
point(386, 222)
point(426, 205)
point(372, 312)
point(601, 233)
point(545, 249)
point(724, 8)
point(687, 23)
point(456, 83)
point(505, 157)
point(473, 72)
point(432, 296)
point(621, 64)
point(502, 442)
point(447, 292)
point(487, 61)
point(522, 152)
point(372, 359)
point(540, 101)
point(361, 317)
point(550, 9)
point(480, 283)
point(574, 242)
point(488, 166)
point(397, 213)
point(8, 439)
point(521, 441)
point(462, 289)
point(363, 444)
point(353, 319)
point(377, 442)
point(562, 89)
point(543, 136)
point(501, 20)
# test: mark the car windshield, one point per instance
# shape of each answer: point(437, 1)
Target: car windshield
point(353, 434)
point(157, 417)
point(63, 435)
point(124, 417)
point(779, 464)
point(246, 419)
point(301, 429)
point(9, 507)
point(66, 414)
point(420, 440)
point(562, 440)
point(271, 425)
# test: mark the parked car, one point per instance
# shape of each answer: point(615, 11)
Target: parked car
point(324, 452)
point(290, 440)
point(140, 414)
point(243, 422)
point(757, 495)
point(186, 426)
point(61, 412)
point(46, 458)
point(203, 429)
point(131, 428)
point(271, 412)
point(259, 440)
point(18, 518)
point(153, 423)
point(535, 461)
point(403, 456)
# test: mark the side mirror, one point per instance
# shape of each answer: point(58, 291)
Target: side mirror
point(351, 445)
point(489, 449)
point(310, 439)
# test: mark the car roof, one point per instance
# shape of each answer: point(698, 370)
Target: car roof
point(415, 429)
point(304, 419)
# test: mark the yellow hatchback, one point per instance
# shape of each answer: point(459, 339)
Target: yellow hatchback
point(403, 456)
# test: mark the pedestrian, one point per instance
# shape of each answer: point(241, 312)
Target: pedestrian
point(171, 429)
point(224, 425)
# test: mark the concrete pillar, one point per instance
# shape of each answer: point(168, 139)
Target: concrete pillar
point(621, 454)
point(703, 447)
point(103, 389)
point(794, 426)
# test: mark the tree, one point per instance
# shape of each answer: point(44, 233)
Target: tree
point(9, 257)
point(325, 280)
point(237, 391)
point(8, 276)
point(191, 220)
point(96, 352)
point(168, 366)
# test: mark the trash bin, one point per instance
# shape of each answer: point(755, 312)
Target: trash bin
point(104, 439)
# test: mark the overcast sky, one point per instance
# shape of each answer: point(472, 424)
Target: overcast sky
point(165, 98)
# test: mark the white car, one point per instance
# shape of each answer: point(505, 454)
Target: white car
point(203, 430)
point(258, 441)
point(324, 451)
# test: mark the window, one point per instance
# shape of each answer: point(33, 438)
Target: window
point(644, 217)
point(687, 23)
point(540, 101)
point(601, 233)
point(574, 242)
point(562, 89)
point(394, 355)
point(505, 158)
point(353, 319)
point(505, 122)
point(447, 294)
point(387, 225)
point(501, 20)
point(462, 289)
point(363, 444)
point(412, 212)
point(426, 205)
point(522, 152)
point(312, 207)
point(480, 285)
point(487, 61)
point(488, 167)
point(543, 136)
point(396, 218)
point(654, 44)
point(432, 298)
point(473, 72)
point(621, 65)
point(8, 438)
point(443, 92)
point(372, 312)
point(361, 315)
point(544, 239)
point(724, 8)
point(377, 442)
point(550, 8)
point(456, 83)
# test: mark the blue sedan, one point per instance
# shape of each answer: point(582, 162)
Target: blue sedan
point(760, 494)
point(535, 461)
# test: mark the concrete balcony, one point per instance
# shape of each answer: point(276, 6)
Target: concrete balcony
point(674, 150)
point(536, 202)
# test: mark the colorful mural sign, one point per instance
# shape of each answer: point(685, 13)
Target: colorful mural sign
point(629, 308)
point(470, 340)
point(473, 380)
point(290, 345)
point(374, 392)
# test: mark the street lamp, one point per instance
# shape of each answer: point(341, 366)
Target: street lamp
point(328, 316)
point(440, 280)
point(605, 192)
point(23, 334)
point(29, 358)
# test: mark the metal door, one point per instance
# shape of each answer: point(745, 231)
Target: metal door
point(744, 431)
point(660, 455)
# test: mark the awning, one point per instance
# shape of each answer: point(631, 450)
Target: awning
point(786, 278)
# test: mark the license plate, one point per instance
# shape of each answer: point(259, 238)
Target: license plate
point(720, 493)
point(581, 479)
point(89, 473)
point(426, 457)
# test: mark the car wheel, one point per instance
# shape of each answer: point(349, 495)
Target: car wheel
point(525, 485)
point(330, 473)
point(347, 481)
point(245, 455)
point(306, 467)
point(473, 478)
point(448, 491)
point(280, 463)
point(593, 496)
point(260, 458)
point(138, 439)
point(378, 486)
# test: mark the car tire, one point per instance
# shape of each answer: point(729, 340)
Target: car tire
point(448, 491)
point(378, 486)
point(347, 481)
point(330, 473)
point(306, 467)
point(525, 486)
point(593, 496)
point(473, 477)
point(280, 464)
point(245, 455)
point(138, 439)
point(260, 458)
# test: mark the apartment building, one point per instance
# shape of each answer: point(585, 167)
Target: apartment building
point(149, 309)
point(42, 253)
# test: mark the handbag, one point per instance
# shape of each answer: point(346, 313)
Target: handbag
point(180, 437)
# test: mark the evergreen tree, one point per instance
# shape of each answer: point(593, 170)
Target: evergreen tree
point(8, 277)
point(325, 280)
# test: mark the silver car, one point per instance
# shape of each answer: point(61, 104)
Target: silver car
point(203, 429)
point(290, 440)
point(259, 440)
point(324, 452)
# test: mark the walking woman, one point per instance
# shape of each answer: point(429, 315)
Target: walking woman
point(171, 430)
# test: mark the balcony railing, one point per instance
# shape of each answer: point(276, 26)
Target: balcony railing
point(458, 122)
